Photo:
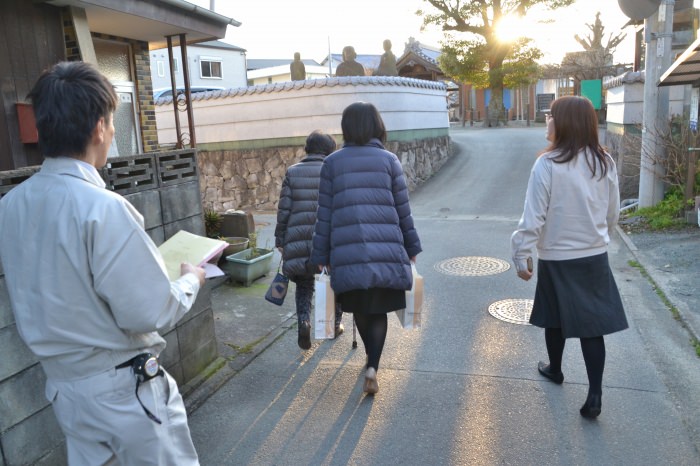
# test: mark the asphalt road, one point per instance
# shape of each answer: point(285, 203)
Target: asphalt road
point(464, 388)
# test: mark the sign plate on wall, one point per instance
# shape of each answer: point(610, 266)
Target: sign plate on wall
point(694, 101)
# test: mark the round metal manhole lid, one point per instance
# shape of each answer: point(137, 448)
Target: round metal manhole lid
point(515, 311)
point(472, 266)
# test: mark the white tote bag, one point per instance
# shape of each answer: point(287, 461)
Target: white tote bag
point(324, 307)
point(410, 317)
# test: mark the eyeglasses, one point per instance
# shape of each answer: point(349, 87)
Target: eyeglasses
point(548, 116)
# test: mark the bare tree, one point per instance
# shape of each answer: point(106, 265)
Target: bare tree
point(596, 61)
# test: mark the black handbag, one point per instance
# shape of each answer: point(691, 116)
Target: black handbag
point(278, 288)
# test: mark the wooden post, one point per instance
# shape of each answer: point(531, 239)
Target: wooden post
point(690, 175)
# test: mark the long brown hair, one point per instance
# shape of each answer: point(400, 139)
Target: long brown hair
point(576, 129)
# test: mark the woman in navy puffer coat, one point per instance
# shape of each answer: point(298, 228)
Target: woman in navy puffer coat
point(296, 217)
point(364, 230)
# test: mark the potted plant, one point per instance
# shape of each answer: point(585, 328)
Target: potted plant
point(212, 223)
point(249, 264)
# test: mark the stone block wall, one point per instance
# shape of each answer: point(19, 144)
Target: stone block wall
point(251, 179)
point(70, 36)
point(164, 188)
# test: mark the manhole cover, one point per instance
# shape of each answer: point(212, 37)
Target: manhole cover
point(515, 311)
point(472, 266)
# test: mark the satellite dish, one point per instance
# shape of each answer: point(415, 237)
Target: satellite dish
point(639, 9)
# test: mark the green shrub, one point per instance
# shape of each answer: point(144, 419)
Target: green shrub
point(669, 213)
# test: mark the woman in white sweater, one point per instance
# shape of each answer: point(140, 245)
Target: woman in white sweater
point(571, 207)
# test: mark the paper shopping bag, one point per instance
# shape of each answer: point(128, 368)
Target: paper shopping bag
point(410, 317)
point(324, 307)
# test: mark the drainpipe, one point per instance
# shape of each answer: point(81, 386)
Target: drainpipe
point(188, 93)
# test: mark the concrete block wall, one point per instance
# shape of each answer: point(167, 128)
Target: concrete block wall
point(29, 432)
point(28, 427)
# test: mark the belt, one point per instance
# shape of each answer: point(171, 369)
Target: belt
point(126, 364)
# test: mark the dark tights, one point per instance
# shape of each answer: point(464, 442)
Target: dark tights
point(372, 328)
point(593, 350)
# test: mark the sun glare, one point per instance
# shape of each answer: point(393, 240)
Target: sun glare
point(510, 28)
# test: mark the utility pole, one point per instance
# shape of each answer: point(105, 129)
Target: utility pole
point(330, 58)
point(658, 35)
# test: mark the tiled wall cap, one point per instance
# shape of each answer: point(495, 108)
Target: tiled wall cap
point(313, 83)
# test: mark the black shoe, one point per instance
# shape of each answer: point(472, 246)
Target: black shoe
point(591, 408)
point(339, 329)
point(556, 377)
point(304, 340)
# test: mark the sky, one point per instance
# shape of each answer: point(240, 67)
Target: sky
point(278, 28)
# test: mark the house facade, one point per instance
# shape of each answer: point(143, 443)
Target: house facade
point(116, 36)
point(210, 64)
point(270, 71)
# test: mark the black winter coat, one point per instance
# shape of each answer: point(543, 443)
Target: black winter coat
point(296, 216)
point(365, 229)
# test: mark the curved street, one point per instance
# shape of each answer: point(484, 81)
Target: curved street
point(464, 389)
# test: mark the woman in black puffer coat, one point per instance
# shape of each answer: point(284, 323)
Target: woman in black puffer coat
point(365, 230)
point(296, 217)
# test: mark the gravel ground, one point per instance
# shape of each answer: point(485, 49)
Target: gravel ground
point(672, 258)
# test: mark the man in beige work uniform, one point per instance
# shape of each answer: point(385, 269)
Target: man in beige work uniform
point(89, 289)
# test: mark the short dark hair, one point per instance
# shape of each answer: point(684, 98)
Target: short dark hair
point(68, 100)
point(319, 142)
point(361, 122)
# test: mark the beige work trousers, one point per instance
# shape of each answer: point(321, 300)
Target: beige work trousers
point(105, 424)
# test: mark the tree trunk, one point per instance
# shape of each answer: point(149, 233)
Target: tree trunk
point(495, 108)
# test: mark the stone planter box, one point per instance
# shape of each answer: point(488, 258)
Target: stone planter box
point(245, 270)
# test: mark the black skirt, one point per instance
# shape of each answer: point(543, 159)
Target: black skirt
point(579, 296)
point(372, 301)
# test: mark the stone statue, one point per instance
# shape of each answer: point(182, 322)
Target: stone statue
point(387, 64)
point(349, 67)
point(297, 68)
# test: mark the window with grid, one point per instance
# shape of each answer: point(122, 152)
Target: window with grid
point(210, 68)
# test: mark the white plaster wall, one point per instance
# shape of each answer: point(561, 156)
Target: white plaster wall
point(294, 109)
point(626, 103)
point(676, 100)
